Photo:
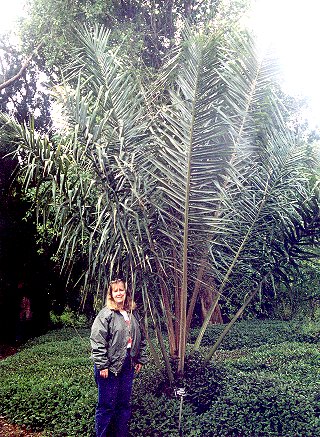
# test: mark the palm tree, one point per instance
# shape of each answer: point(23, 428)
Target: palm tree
point(226, 175)
point(187, 185)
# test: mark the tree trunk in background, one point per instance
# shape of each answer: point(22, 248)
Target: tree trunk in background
point(207, 297)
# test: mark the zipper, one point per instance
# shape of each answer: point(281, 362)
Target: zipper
point(116, 373)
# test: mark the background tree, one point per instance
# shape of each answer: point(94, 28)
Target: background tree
point(146, 28)
point(22, 90)
point(21, 94)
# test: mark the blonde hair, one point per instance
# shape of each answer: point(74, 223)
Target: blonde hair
point(128, 305)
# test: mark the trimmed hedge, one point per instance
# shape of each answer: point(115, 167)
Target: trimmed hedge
point(49, 384)
point(254, 333)
point(272, 390)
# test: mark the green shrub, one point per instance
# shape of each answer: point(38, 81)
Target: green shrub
point(254, 333)
point(272, 390)
point(204, 382)
point(68, 318)
point(49, 385)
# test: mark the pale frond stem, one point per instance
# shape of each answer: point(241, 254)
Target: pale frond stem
point(231, 267)
point(177, 296)
point(160, 340)
point(145, 327)
point(249, 104)
point(166, 302)
point(184, 288)
point(164, 353)
point(245, 239)
point(234, 319)
point(197, 343)
point(152, 349)
point(242, 127)
point(168, 311)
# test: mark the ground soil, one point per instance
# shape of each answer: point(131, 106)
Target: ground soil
point(6, 350)
point(9, 430)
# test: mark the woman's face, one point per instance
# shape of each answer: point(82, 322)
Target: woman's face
point(118, 293)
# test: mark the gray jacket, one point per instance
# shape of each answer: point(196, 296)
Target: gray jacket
point(109, 339)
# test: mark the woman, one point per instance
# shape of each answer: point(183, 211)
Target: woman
point(118, 349)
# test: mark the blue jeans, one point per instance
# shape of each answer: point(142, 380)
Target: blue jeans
point(114, 394)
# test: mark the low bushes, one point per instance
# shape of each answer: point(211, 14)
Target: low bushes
point(49, 385)
point(271, 390)
point(254, 333)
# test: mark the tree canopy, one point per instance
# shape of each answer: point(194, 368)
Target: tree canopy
point(146, 29)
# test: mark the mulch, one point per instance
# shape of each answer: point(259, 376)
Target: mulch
point(8, 429)
point(6, 350)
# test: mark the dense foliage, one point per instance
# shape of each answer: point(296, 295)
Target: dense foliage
point(22, 93)
point(191, 181)
point(146, 29)
point(177, 165)
point(266, 390)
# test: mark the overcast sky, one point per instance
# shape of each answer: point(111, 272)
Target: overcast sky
point(292, 28)
point(10, 10)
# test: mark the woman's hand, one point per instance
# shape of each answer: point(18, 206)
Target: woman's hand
point(137, 367)
point(104, 373)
